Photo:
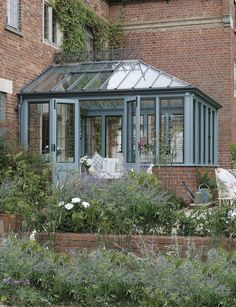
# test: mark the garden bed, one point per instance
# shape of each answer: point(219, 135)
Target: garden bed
point(32, 275)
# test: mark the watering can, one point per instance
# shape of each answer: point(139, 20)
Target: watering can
point(205, 193)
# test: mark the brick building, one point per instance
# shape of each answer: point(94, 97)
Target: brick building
point(193, 40)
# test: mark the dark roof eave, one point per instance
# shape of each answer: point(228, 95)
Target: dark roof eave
point(123, 92)
point(206, 97)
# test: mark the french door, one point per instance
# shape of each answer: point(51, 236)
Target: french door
point(64, 145)
point(132, 132)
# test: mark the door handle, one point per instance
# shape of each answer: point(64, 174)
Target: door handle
point(139, 147)
point(53, 147)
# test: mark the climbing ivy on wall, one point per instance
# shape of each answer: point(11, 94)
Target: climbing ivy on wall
point(74, 16)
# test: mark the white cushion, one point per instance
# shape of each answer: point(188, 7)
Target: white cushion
point(109, 165)
point(120, 163)
point(92, 170)
point(97, 161)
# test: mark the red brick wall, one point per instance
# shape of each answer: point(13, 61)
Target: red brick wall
point(148, 10)
point(22, 58)
point(172, 177)
point(66, 242)
point(101, 7)
point(189, 40)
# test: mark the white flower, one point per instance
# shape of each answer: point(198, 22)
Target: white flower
point(89, 162)
point(83, 159)
point(32, 236)
point(69, 206)
point(75, 200)
point(61, 203)
point(85, 204)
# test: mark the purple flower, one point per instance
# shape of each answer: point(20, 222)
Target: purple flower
point(10, 281)
point(26, 282)
point(7, 280)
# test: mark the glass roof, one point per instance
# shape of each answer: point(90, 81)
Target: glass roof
point(106, 76)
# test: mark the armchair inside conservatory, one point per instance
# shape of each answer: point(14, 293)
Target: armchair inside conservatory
point(104, 168)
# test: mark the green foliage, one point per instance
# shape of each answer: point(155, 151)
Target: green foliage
point(109, 278)
point(216, 222)
point(205, 178)
point(74, 16)
point(233, 152)
point(131, 205)
point(25, 184)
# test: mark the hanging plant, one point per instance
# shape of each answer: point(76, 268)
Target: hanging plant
point(74, 17)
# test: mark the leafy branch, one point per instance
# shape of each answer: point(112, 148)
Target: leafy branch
point(74, 17)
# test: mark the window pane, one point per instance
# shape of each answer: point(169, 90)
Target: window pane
point(113, 136)
point(117, 77)
point(46, 78)
point(54, 29)
point(13, 13)
point(65, 132)
point(131, 131)
point(148, 79)
point(213, 137)
point(194, 131)
point(50, 82)
point(204, 135)
point(209, 136)
point(162, 81)
point(199, 132)
point(68, 82)
point(84, 81)
point(172, 129)
point(88, 39)
point(46, 21)
point(93, 135)
point(38, 132)
point(147, 130)
point(135, 72)
point(98, 81)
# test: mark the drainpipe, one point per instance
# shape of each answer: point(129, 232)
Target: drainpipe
point(19, 119)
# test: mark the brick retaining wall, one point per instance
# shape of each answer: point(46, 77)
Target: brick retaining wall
point(66, 242)
point(172, 177)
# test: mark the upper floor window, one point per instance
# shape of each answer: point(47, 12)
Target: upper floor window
point(89, 39)
point(13, 14)
point(51, 31)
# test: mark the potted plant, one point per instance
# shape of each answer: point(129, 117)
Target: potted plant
point(10, 218)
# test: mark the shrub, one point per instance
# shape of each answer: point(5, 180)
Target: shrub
point(34, 276)
point(133, 204)
point(216, 222)
point(25, 183)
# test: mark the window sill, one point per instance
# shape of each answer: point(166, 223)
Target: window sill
point(13, 30)
point(51, 44)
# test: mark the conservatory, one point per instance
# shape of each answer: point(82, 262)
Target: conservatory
point(117, 108)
